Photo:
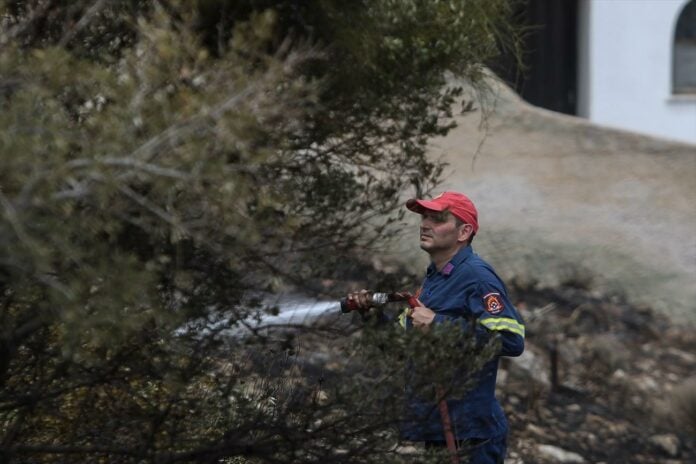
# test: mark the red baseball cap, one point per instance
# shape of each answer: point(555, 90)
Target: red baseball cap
point(456, 203)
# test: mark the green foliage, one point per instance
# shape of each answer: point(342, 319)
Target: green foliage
point(163, 165)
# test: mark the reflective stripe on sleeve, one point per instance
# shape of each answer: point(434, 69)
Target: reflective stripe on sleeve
point(503, 323)
point(402, 317)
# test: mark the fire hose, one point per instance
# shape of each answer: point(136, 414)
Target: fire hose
point(380, 299)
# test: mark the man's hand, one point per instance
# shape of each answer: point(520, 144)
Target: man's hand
point(361, 299)
point(422, 316)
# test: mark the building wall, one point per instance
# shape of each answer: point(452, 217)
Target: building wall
point(625, 67)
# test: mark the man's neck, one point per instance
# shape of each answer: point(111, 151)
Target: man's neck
point(441, 258)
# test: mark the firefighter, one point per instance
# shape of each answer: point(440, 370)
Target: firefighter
point(461, 288)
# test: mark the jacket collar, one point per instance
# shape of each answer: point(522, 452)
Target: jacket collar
point(462, 255)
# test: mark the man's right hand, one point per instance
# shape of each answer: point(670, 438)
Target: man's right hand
point(362, 299)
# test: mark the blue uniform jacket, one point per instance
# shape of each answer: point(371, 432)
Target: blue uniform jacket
point(467, 290)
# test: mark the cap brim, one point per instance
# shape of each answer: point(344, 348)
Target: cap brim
point(418, 206)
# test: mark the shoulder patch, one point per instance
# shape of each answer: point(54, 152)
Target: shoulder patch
point(493, 303)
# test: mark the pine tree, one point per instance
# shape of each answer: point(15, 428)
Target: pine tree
point(164, 165)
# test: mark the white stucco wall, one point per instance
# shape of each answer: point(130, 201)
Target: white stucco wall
point(625, 67)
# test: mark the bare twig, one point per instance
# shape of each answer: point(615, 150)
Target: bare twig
point(82, 23)
point(129, 163)
point(154, 209)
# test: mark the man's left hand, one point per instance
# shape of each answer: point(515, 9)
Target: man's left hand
point(422, 316)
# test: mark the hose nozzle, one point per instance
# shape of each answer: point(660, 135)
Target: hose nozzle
point(375, 300)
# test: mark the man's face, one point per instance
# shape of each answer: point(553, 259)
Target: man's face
point(439, 232)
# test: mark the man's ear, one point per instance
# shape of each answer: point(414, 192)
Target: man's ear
point(465, 231)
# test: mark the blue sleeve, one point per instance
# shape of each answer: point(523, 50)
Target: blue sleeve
point(482, 335)
point(494, 315)
point(512, 344)
point(494, 311)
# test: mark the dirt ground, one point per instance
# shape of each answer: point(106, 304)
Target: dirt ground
point(561, 199)
point(601, 381)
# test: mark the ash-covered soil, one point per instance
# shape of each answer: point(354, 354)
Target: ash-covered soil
point(601, 381)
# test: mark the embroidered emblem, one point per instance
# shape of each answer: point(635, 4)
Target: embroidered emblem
point(492, 303)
